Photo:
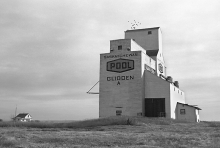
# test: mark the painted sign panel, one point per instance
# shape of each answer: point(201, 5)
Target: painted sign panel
point(160, 67)
point(121, 55)
point(120, 65)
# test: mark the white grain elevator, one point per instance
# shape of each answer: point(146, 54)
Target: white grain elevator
point(133, 80)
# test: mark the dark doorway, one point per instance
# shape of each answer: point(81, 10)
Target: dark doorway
point(155, 107)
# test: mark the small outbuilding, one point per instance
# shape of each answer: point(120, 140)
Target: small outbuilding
point(23, 117)
point(187, 112)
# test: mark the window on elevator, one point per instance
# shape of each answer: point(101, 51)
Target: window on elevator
point(120, 47)
point(118, 112)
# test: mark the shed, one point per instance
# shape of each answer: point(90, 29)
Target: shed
point(187, 112)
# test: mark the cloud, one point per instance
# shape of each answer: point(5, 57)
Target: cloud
point(39, 50)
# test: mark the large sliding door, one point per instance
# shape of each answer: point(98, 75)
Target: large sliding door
point(155, 107)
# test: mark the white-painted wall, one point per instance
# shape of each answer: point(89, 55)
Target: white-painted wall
point(176, 95)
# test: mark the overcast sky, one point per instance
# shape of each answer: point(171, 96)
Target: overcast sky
point(49, 52)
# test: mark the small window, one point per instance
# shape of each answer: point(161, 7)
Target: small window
point(118, 112)
point(149, 32)
point(120, 47)
point(182, 111)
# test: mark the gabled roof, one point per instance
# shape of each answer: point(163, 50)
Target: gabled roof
point(142, 29)
point(190, 106)
point(152, 52)
point(22, 115)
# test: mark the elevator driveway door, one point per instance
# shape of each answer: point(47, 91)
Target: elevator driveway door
point(155, 107)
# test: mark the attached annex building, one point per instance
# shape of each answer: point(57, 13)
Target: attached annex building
point(133, 80)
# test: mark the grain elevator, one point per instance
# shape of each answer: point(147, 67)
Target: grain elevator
point(133, 80)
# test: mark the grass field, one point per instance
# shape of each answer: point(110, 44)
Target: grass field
point(127, 132)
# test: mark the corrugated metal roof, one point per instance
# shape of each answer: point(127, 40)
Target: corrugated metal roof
point(190, 106)
point(142, 29)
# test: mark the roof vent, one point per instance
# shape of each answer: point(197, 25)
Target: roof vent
point(176, 83)
point(170, 79)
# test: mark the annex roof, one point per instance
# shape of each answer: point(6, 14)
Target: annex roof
point(190, 106)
